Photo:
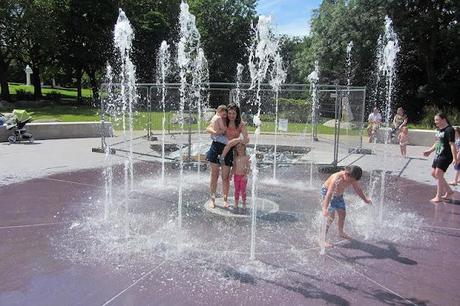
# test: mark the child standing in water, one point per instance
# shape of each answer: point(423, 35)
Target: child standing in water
point(240, 171)
point(403, 138)
point(332, 195)
point(457, 166)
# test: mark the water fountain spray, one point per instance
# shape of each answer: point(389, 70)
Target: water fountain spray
point(262, 54)
point(313, 78)
point(108, 170)
point(388, 63)
point(239, 79)
point(278, 76)
point(163, 63)
point(123, 39)
point(200, 76)
point(388, 70)
point(188, 51)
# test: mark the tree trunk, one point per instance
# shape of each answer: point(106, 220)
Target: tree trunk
point(36, 82)
point(4, 81)
point(79, 96)
point(94, 85)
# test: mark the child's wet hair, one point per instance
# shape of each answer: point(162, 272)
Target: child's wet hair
point(354, 171)
point(221, 108)
point(236, 148)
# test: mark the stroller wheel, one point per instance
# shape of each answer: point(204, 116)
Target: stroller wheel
point(31, 140)
point(12, 139)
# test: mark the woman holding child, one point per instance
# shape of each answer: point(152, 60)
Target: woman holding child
point(235, 128)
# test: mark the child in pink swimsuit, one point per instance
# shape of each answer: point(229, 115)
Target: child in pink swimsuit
point(240, 171)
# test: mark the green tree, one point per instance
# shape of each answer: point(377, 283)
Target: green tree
point(225, 28)
point(11, 34)
point(153, 21)
point(85, 38)
point(290, 47)
point(39, 43)
point(429, 66)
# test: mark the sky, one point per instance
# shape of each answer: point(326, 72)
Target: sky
point(291, 17)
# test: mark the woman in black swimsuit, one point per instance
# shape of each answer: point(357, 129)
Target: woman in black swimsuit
point(445, 154)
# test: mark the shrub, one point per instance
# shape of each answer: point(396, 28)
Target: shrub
point(430, 111)
point(22, 95)
point(54, 96)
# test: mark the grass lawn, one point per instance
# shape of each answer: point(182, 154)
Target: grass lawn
point(65, 92)
point(67, 113)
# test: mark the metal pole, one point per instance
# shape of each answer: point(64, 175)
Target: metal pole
point(102, 124)
point(362, 119)
point(149, 106)
point(190, 134)
point(337, 125)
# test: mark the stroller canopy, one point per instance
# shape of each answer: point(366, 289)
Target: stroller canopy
point(21, 115)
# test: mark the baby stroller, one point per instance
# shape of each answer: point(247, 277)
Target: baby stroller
point(16, 122)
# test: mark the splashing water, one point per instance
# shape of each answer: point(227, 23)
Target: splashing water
point(262, 53)
point(190, 57)
point(313, 78)
point(239, 79)
point(278, 76)
point(163, 63)
point(387, 64)
point(200, 75)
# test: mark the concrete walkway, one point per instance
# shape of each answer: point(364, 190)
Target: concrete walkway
point(45, 157)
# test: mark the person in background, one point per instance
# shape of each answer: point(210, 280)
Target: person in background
point(445, 154)
point(374, 121)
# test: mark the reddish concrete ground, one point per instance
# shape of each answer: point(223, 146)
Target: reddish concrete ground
point(49, 258)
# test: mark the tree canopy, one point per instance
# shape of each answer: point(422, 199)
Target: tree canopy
point(71, 41)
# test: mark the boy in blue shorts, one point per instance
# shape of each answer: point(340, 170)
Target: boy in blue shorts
point(332, 195)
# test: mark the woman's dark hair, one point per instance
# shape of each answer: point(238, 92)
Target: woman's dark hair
point(443, 116)
point(233, 106)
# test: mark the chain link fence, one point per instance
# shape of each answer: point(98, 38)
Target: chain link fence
point(335, 126)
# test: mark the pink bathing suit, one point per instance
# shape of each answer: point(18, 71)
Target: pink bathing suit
point(240, 182)
point(233, 133)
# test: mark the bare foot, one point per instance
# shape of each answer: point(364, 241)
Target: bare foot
point(327, 244)
point(345, 236)
point(213, 202)
point(225, 204)
point(453, 183)
point(448, 195)
point(436, 200)
point(244, 205)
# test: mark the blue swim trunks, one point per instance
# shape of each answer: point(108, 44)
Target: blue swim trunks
point(337, 202)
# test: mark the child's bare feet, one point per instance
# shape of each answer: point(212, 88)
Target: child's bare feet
point(213, 201)
point(225, 203)
point(345, 236)
point(448, 195)
point(436, 200)
point(327, 244)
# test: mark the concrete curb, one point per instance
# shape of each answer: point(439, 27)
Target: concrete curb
point(62, 130)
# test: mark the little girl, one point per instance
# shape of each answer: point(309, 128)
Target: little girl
point(403, 138)
point(457, 166)
point(240, 171)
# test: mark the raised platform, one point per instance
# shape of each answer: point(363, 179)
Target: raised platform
point(61, 130)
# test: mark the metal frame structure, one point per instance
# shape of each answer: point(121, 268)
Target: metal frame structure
point(335, 91)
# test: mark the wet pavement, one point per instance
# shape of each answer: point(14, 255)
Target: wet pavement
point(58, 248)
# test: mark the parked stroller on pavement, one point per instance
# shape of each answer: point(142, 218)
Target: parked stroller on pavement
point(16, 122)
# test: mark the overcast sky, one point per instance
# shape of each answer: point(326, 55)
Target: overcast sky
point(291, 17)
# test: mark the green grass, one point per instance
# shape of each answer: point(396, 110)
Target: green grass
point(66, 113)
point(66, 93)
